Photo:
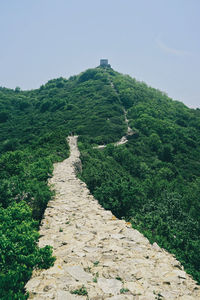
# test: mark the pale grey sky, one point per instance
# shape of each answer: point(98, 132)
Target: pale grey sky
point(155, 41)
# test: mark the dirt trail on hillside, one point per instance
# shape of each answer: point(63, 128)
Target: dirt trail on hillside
point(97, 254)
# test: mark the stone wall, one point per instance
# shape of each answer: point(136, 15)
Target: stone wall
point(97, 255)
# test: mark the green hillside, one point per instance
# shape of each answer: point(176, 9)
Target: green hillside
point(152, 180)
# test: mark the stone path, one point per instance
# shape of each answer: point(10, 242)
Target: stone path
point(124, 139)
point(129, 131)
point(97, 255)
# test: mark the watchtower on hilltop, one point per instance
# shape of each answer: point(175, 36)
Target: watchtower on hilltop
point(104, 63)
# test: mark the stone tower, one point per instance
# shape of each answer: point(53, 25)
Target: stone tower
point(104, 63)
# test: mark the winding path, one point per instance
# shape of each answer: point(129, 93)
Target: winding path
point(124, 139)
point(97, 254)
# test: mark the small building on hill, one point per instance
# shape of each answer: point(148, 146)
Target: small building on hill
point(104, 63)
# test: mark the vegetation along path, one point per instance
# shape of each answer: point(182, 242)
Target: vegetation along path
point(97, 255)
point(124, 139)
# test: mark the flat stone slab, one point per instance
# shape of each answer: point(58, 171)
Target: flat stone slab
point(110, 286)
point(121, 297)
point(64, 295)
point(79, 274)
point(135, 288)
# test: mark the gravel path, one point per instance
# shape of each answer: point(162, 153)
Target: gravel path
point(97, 255)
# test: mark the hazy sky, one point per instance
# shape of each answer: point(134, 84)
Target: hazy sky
point(156, 41)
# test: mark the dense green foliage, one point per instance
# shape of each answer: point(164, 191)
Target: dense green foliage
point(153, 180)
point(33, 130)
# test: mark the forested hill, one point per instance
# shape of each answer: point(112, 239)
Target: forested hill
point(152, 181)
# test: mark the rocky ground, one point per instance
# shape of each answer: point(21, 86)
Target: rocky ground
point(97, 255)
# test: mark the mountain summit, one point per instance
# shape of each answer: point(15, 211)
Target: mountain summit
point(151, 181)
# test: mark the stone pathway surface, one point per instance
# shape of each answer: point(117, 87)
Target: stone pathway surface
point(97, 255)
